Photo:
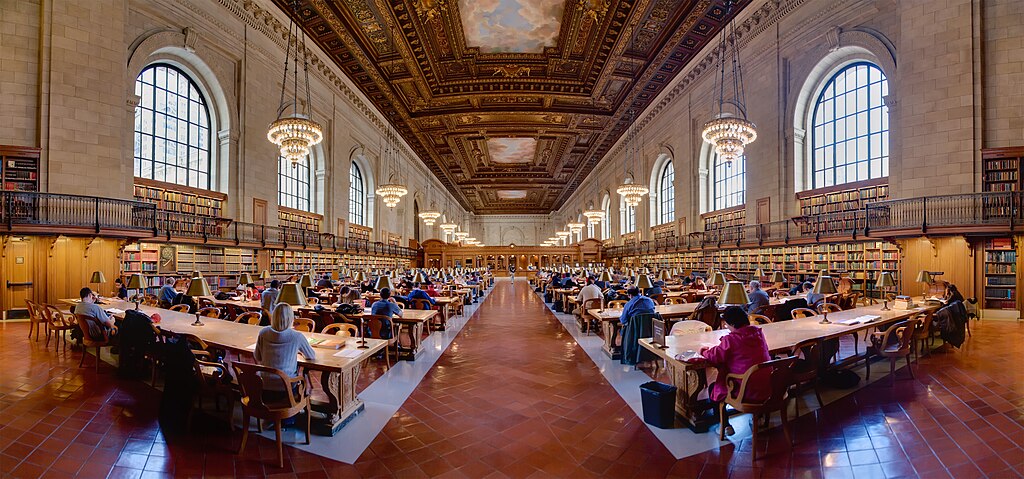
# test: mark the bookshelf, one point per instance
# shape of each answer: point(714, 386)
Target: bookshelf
point(393, 239)
point(727, 218)
point(299, 220)
point(359, 232)
point(142, 258)
point(19, 168)
point(1001, 168)
point(288, 262)
point(663, 231)
point(180, 199)
point(220, 266)
point(1000, 274)
point(844, 204)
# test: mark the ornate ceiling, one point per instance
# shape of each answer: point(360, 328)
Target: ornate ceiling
point(513, 124)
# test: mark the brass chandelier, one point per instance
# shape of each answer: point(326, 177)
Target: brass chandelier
point(296, 133)
point(392, 191)
point(730, 131)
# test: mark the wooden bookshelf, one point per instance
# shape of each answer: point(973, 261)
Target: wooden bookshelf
point(660, 232)
point(727, 218)
point(1000, 274)
point(144, 259)
point(370, 264)
point(1001, 168)
point(19, 168)
point(393, 239)
point(288, 262)
point(300, 220)
point(180, 199)
point(844, 204)
point(359, 232)
point(220, 266)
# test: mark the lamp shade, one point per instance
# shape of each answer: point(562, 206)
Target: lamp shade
point(824, 285)
point(97, 277)
point(418, 277)
point(665, 275)
point(885, 280)
point(734, 294)
point(197, 274)
point(265, 275)
point(924, 277)
point(245, 278)
point(758, 273)
point(136, 281)
point(823, 272)
point(305, 281)
point(606, 276)
point(644, 282)
point(778, 277)
point(198, 287)
point(291, 293)
point(360, 276)
point(647, 271)
point(718, 279)
point(383, 282)
point(711, 273)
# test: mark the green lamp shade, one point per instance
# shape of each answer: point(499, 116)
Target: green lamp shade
point(665, 275)
point(305, 281)
point(644, 282)
point(758, 273)
point(198, 287)
point(98, 277)
point(606, 276)
point(383, 282)
point(136, 281)
point(718, 279)
point(418, 277)
point(733, 294)
point(885, 280)
point(778, 277)
point(265, 275)
point(291, 293)
point(360, 276)
point(245, 278)
point(924, 277)
point(824, 285)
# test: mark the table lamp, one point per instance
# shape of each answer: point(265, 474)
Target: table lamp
point(137, 282)
point(717, 280)
point(884, 282)
point(418, 277)
point(758, 274)
point(383, 282)
point(606, 276)
point(647, 271)
point(360, 276)
point(778, 277)
point(643, 283)
point(733, 294)
point(292, 294)
point(97, 278)
point(925, 278)
point(665, 275)
point(824, 286)
point(265, 276)
point(245, 279)
point(198, 287)
point(305, 282)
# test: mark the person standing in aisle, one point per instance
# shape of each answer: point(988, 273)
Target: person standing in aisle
point(512, 272)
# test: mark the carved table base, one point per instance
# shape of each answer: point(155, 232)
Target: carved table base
point(342, 404)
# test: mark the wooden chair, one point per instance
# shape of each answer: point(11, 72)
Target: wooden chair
point(204, 303)
point(689, 327)
point(658, 298)
point(675, 300)
point(759, 319)
point(304, 324)
point(781, 293)
point(151, 301)
point(59, 324)
point(804, 313)
point(707, 313)
point(807, 369)
point(374, 328)
point(341, 329)
point(214, 381)
point(209, 312)
point(312, 301)
point(36, 320)
point(251, 317)
point(923, 334)
point(87, 342)
point(181, 308)
point(780, 378)
point(255, 404)
point(893, 343)
point(829, 307)
point(590, 323)
point(617, 304)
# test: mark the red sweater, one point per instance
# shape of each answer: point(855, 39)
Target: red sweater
point(735, 354)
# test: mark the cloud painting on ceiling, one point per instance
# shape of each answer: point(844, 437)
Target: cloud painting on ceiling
point(512, 150)
point(522, 26)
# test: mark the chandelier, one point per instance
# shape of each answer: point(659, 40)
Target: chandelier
point(449, 227)
point(563, 236)
point(460, 235)
point(730, 132)
point(575, 228)
point(631, 192)
point(429, 217)
point(594, 217)
point(295, 133)
point(392, 191)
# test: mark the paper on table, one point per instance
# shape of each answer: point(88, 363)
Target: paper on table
point(348, 353)
point(115, 311)
point(251, 346)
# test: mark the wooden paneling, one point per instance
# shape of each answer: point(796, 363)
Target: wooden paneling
point(17, 267)
point(259, 211)
point(58, 267)
point(954, 256)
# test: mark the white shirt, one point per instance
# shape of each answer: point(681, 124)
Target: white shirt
point(590, 291)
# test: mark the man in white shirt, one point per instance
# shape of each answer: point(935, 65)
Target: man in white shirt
point(590, 291)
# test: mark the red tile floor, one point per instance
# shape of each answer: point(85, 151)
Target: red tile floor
point(515, 397)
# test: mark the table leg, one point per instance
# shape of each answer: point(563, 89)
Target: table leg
point(611, 332)
point(414, 331)
point(689, 382)
point(342, 404)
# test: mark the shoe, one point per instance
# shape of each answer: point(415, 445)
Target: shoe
point(729, 431)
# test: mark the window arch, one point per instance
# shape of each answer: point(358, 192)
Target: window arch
point(850, 127)
point(172, 128)
point(728, 183)
point(667, 194)
point(293, 185)
point(356, 196)
point(606, 224)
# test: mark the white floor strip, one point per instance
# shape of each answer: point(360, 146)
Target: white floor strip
point(382, 398)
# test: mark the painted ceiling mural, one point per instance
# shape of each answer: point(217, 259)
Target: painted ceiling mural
point(500, 96)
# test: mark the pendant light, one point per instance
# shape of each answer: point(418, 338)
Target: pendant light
point(430, 216)
point(729, 132)
point(296, 133)
point(392, 191)
point(630, 191)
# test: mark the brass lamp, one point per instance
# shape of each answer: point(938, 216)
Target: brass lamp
point(665, 275)
point(711, 273)
point(360, 276)
point(718, 279)
point(606, 276)
point(305, 282)
point(824, 286)
point(196, 288)
point(758, 274)
point(884, 282)
point(292, 294)
point(418, 277)
point(97, 278)
point(643, 282)
point(733, 294)
point(245, 279)
point(137, 282)
point(265, 276)
point(925, 278)
point(778, 277)
point(383, 282)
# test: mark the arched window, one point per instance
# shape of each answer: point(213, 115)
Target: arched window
point(172, 128)
point(293, 184)
point(728, 183)
point(628, 218)
point(667, 194)
point(606, 223)
point(356, 196)
point(850, 136)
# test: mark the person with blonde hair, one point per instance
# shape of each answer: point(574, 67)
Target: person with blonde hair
point(278, 345)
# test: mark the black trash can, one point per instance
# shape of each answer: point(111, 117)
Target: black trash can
point(659, 403)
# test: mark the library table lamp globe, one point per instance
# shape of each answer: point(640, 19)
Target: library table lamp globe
point(885, 281)
point(137, 282)
point(733, 294)
point(824, 286)
point(196, 288)
point(924, 278)
point(292, 294)
point(643, 283)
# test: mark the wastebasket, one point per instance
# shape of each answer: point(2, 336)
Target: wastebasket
point(659, 403)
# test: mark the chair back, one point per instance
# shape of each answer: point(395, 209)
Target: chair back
point(341, 329)
point(419, 303)
point(925, 323)
point(252, 381)
point(304, 324)
point(809, 362)
point(906, 335)
point(33, 312)
point(181, 308)
point(690, 327)
point(312, 300)
point(707, 312)
point(675, 300)
point(375, 326)
point(759, 319)
point(779, 374)
point(204, 303)
point(83, 324)
point(250, 317)
point(829, 308)
point(617, 304)
point(58, 318)
point(803, 313)
point(658, 298)
point(592, 303)
point(209, 312)
point(781, 293)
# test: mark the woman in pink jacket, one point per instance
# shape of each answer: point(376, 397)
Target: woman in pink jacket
point(742, 348)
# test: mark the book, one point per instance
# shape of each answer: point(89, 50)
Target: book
point(325, 343)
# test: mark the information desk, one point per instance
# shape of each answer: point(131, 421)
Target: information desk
point(339, 367)
point(690, 379)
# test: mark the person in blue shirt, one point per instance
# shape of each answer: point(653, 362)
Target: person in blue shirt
point(638, 304)
point(758, 299)
point(418, 293)
point(386, 306)
point(167, 293)
point(655, 290)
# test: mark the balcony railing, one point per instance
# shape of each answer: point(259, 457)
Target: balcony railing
point(92, 214)
point(991, 209)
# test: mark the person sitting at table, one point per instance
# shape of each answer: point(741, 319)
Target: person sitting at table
point(367, 286)
point(278, 346)
point(812, 298)
point(348, 295)
point(122, 290)
point(637, 304)
point(758, 298)
point(735, 353)
point(654, 289)
point(325, 282)
point(590, 291)
point(952, 294)
point(555, 282)
point(182, 298)
point(268, 299)
point(568, 282)
point(600, 284)
point(252, 293)
point(100, 322)
point(431, 291)
point(699, 284)
point(167, 293)
point(386, 306)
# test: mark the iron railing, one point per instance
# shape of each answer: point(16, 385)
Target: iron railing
point(93, 214)
point(990, 209)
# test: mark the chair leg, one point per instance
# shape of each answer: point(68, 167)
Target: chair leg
point(280, 445)
point(785, 426)
point(910, 368)
point(892, 371)
point(722, 421)
point(245, 430)
point(753, 439)
point(85, 351)
point(97, 359)
point(817, 395)
point(867, 368)
point(309, 420)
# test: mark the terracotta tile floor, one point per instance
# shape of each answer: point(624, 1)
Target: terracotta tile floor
point(515, 397)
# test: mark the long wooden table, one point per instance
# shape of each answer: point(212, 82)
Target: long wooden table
point(338, 374)
point(690, 378)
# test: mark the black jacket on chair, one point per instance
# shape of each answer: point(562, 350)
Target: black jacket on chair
point(951, 322)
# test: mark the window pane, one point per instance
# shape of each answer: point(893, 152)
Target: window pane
point(729, 183)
